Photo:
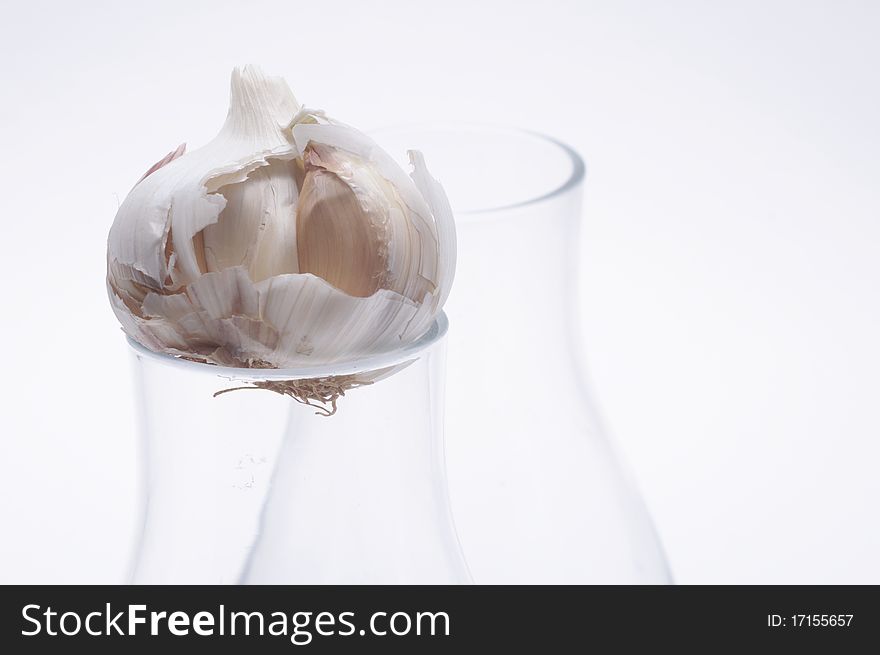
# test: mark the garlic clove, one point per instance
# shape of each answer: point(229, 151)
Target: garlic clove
point(342, 137)
point(257, 226)
point(339, 240)
point(391, 199)
point(353, 222)
point(259, 109)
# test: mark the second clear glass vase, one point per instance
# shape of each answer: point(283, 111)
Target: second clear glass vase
point(538, 491)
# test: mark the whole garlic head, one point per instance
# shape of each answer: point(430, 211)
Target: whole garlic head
point(290, 239)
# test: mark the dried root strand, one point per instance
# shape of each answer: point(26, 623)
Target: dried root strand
point(320, 393)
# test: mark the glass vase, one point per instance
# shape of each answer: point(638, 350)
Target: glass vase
point(538, 492)
point(251, 486)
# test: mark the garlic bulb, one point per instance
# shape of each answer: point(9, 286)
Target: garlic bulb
point(290, 239)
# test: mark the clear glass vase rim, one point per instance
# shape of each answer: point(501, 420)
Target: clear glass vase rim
point(578, 167)
point(372, 362)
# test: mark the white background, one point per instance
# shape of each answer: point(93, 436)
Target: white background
point(731, 241)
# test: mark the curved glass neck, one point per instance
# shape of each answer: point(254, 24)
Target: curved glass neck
point(488, 169)
point(251, 486)
point(517, 202)
point(521, 269)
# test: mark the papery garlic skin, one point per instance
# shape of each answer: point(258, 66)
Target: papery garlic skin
point(289, 240)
